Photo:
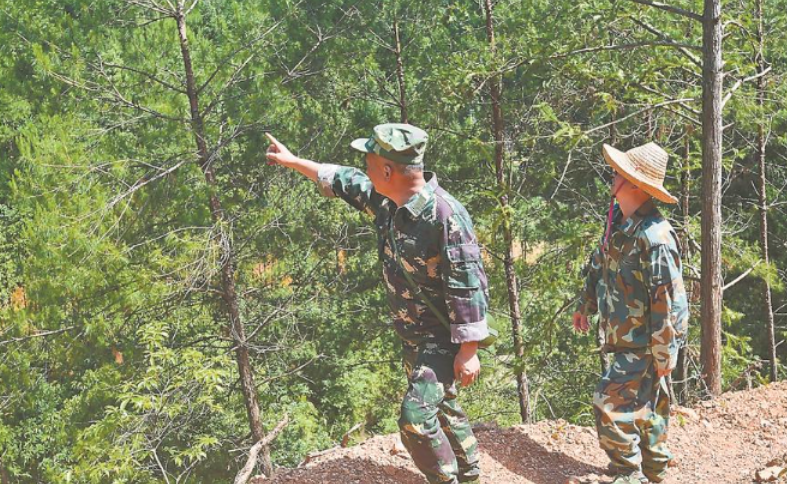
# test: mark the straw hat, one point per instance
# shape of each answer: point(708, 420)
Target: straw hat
point(644, 166)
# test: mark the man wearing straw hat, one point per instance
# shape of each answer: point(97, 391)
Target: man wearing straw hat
point(435, 282)
point(634, 281)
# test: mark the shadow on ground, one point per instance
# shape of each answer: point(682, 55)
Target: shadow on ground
point(350, 471)
point(530, 460)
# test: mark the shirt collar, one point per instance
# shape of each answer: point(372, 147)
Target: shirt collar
point(631, 224)
point(420, 200)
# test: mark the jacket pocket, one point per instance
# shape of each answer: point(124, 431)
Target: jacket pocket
point(464, 271)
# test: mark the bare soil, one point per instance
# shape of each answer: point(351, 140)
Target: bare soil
point(726, 441)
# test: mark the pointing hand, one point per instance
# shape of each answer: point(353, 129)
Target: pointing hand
point(277, 153)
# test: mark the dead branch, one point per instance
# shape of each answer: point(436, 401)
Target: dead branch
point(740, 82)
point(251, 462)
point(663, 36)
point(636, 113)
point(670, 8)
point(40, 334)
point(144, 74)
point(740, 277)
point(346, 436)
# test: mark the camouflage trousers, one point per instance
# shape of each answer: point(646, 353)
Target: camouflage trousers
point(632, 407)
point(433, 427)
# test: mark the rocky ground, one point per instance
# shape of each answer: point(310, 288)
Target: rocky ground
point(739, 438)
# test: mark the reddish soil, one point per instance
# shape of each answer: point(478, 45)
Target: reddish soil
point(721, 442)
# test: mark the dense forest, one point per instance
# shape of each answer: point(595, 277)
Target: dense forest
point(167, 297)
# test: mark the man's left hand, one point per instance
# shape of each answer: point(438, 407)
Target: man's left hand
point(467, 366)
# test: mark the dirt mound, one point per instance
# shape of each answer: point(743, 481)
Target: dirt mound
point(726, 441)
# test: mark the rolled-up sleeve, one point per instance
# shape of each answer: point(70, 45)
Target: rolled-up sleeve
point(465, 282)
point(669, 312)
point(349, 184)
point(325, 177)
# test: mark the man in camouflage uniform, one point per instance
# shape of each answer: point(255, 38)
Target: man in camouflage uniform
point(423, 230)
point(634, 281)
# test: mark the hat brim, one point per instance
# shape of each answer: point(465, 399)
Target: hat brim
point(621, 164)
point(360, 145)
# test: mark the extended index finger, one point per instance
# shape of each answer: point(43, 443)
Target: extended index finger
point(272, 139)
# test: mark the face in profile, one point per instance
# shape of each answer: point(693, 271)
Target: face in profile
point(622, 188)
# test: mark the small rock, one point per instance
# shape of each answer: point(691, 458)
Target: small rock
point(770, 474)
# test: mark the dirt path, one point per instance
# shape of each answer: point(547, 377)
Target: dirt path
point(724, 442)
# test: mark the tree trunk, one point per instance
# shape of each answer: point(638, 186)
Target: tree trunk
point(4, 477)
point(228, 292)
point(712, 77)
point(400, 71)
point(496, 88)
point(682, 370)
point(767, 305)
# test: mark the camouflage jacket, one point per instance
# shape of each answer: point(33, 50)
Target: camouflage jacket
point(437, 245)
point(636, 285)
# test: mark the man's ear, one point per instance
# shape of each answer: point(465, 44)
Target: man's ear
point(387, 172)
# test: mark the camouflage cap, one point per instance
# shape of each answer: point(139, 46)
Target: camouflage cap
point(401, 143)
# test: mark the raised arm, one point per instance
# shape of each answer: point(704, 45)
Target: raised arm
point(349, 184)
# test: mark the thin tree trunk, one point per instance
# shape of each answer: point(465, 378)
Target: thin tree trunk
point(650, 129)
point(496, 89)
point(711, 195)
point(767, 304)
point(400, 71)
point(4, 477)
point(228, 291)
point(682, 370)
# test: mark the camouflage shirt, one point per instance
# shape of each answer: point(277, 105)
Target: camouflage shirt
point(438, 248)
point(636, 285)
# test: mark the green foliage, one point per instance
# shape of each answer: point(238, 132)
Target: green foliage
point(117, 363)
